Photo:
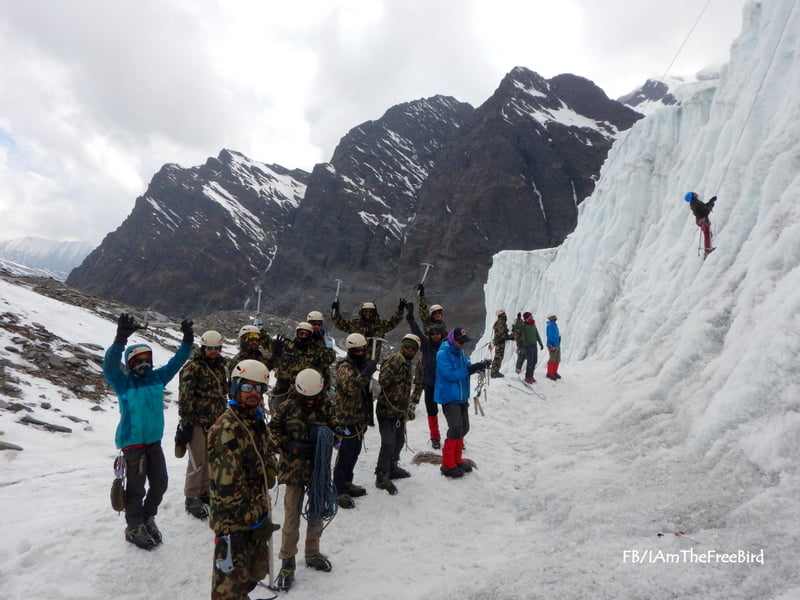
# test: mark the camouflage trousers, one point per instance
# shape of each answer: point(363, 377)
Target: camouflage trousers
point(250, 565)
point(499, 354)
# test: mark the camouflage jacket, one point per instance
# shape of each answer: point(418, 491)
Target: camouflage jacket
point(294, 421)
point(203, 389)
point(398, 378)
point(295, 357)
point(263, 354)
point(501, 334)
point(426, 320)
point(372, 328)
point(239, 454)
point(353, 400)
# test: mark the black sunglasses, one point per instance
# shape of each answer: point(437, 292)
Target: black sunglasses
point(249, 387)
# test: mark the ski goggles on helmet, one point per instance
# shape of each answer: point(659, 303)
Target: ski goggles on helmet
point(252, 337)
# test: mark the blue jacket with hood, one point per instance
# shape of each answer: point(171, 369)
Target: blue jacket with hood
point(141, 399)
point(452, 376)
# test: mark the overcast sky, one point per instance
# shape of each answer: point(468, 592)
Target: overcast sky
point(96, 95)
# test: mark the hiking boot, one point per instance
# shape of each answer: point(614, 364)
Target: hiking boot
point(140, 536)
point(153, 530)
point(530, 380)
point(553, 377)
point(345, 501)
point(196, 508)
point(556, 375)
point(396, 472)
point(355, 491)
point(451, 472)
point(464, 466)
point(319, 562)
point(285, 578)
point(436, 444)
point(382, 482)
point(496, 375)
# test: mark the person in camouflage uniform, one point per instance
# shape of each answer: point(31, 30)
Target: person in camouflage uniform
point(254, 343)
point(202, 393)
point(430, 345)
point(293, 428)
point(527, 335)
point(430, 316)
point(242, 469)
point(499, 338)
point(369, 324)
point(354, 412)
point(399, 377)
point(292, 356)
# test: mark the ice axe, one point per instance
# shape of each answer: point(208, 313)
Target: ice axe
point(338, 285)
point(425, 274)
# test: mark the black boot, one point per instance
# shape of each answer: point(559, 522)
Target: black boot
point(436, 444)
point(153, 530)
point(140, 536)
point(196, 508)
point(285, 578)
point(396, 472)
point(319, 562)
point(382, 482)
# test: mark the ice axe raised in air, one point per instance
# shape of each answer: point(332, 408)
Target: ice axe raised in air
point(425, 274)
point(336, 300)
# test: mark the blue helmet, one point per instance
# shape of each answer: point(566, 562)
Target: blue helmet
point(689, 196)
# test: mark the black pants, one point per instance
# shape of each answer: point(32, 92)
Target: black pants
point(346, 460)
point(393, 436)
point(144, 464)
point(457, 416)
point(531, 354)
point(430, 406)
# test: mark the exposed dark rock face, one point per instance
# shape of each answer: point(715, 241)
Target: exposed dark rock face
point(198, 239)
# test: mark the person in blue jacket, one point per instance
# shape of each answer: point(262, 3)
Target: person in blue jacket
point(452, 392)
point(553, 347)
point(140, 392)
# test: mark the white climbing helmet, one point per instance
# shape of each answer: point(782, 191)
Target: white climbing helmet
point(249, 329)
point(355, 340)
point(211, 338)
point(314, 315)
point(308, 382)
point(252, 370)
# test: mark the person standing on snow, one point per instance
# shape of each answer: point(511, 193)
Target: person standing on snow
point(430, 316)
point(203, 392)
point(294, 431)
point(369, 324)
point(500, 335)
point(429, 346)
point(553, 347)
point(529, 338)
point(255, 344)
point(242, 470)
point(701, 210)
point(354, 413)
point(398, 378)
point(452, 392)
point(140, 392)
point(292, 356)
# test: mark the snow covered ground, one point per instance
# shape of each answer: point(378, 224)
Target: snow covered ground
point(679, 410)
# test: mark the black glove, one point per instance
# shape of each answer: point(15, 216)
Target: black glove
point(486, 362)
point(188, 332)
point(277, 346)
point(410, 309)
point(369, 367)
point(421, 290)
point(264, 530)
point(713, 199)
point(335, 306)
point(472, 369)
point(401, 305)
point(125, 327)
point(183, 435)
point(299, 449)
point(519, 316)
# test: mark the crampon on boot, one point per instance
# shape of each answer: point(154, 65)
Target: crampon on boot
point(285, 578)
point(449, 467)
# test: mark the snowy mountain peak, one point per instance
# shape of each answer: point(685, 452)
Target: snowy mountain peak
point(42, 257)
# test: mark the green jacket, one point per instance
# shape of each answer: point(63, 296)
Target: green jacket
point(296, 357)
point(203, 389)
point(353, 400)
point(239, 456)
point(426, 320)
point(527, 334)
point(398, 378)
point(295, 421)
point(263, 354)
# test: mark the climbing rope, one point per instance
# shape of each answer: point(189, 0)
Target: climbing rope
point(322, 499)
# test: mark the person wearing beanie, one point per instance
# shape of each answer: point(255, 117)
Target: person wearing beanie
point(140, 392)
point(452, 392)
point(553, 347)
point(529, 338)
